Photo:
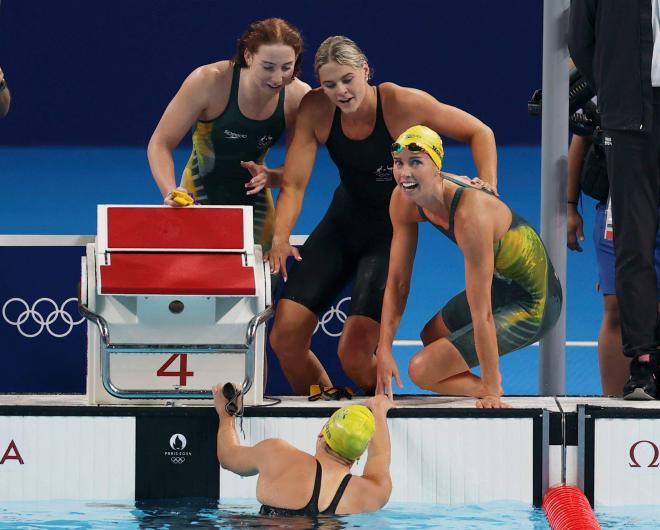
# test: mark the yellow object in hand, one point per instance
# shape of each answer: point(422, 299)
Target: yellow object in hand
point(181, 198)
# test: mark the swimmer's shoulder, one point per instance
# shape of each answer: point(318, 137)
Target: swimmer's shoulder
point(393, 94)
point(316, 103)
point(293, 94)
point(276, 453)
point(316, 112)
point(402, 106)
point(296, 89)
point(215, 76)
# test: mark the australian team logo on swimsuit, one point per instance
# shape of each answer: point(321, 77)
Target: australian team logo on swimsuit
point(229, 135)
point(383, 173)
point(264, 142)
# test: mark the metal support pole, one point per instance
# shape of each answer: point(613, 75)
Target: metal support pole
point(554, 172)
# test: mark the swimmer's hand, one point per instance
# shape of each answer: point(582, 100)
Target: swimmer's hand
point(221, 401)
point(176, 197)
point(279, 252)
point(386, 369)
point(380, 404)
point(489, 396)
point(260, 177)
point(476, 182)
point(492, 402)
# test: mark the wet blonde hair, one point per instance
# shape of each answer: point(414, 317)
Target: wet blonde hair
point(340, 50)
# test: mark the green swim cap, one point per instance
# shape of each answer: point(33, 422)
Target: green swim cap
point(349, 431)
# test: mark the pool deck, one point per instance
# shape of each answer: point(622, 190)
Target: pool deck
point(564, 404)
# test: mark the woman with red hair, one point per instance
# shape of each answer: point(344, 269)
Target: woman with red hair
point(238, 109)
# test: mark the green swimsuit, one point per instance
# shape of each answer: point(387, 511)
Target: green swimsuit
point(526, 294)
point(214, 174)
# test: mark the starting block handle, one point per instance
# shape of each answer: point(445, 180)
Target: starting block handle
point(107, 347)
point(250, 335)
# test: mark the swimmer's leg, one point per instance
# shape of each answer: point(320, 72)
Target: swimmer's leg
point(291, 338)
point(441, 368)
point(434, 329)
point(357, 348)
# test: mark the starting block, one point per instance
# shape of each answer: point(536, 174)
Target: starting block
point(175, 300)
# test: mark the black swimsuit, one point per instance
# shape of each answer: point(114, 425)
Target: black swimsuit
point(353, 239)
point(312, 507)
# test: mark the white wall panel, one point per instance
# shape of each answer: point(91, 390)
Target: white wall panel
point(617, 480)
point(68, 458)
point(435, 460)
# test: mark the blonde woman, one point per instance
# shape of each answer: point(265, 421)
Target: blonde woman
point(512, 296)
point(357, 122)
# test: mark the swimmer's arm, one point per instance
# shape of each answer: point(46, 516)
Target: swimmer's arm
point(294, 95)
point(378, 482)
point(178, 118)
point(298, 166)
point(475, 238)
point(457, 124)
point(402, 256)
point(5, 102)
point(5, 97)
point(244, 460)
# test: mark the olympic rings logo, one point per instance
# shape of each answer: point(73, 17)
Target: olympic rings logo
point(35, 314)
point(178, 459)
point(329, 315)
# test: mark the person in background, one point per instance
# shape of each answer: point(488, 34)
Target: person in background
point(616, 47)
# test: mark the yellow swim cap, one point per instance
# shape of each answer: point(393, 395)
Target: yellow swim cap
point(349, 431)
point(424, 138)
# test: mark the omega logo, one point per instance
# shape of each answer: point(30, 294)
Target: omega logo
point(633, 457)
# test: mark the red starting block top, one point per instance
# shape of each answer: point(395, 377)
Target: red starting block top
point(180, 228)
point(182, 274)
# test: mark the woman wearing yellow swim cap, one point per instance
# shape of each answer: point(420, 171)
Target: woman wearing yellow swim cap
point(512, 295)
point(293, 482)
point(357, 121)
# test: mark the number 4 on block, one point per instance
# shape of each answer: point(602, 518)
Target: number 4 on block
point(182, 373)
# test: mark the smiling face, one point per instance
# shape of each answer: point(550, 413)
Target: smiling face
point(345, 85)
point(271, 66)
point(414, 173)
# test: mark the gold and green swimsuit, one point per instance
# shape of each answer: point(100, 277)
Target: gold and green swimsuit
point(526, 294)
point(214, 173)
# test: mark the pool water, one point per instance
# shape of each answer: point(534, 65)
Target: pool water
point(204, 513)
point(637, 517)
point(196, 513)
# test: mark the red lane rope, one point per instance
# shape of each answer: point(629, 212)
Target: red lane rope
point(567, 508)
